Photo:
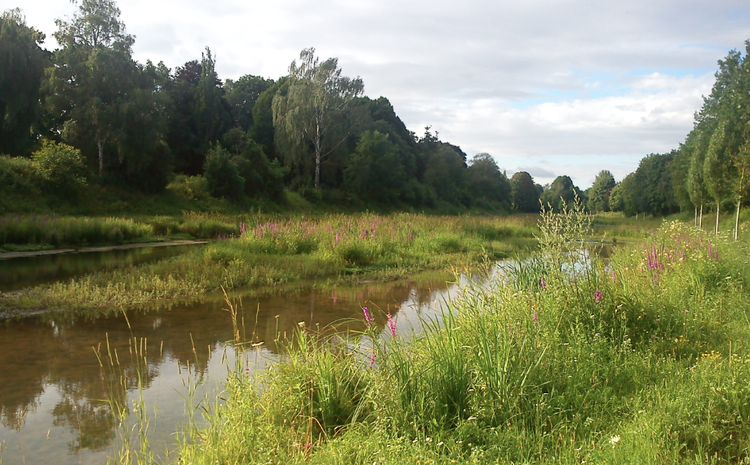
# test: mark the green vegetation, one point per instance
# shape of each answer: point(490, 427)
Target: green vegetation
point(643, 359)
point(274, 251)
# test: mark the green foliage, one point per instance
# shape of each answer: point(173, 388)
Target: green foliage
point(191, 187)
point(600, 192)
point(61, 168)
point(313, 116)
point(375, 172)
point(524, 195)
point(560, 193)
point(485, 181)
point(222, 174)
point(22, 63)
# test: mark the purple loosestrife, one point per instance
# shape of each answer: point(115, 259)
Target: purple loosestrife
point(535, 317)
point(368, 318)
point(598, 296)
point(544, 284)
point(392, 325)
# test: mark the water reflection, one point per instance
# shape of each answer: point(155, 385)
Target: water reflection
point(52, 387)
point(18, 273)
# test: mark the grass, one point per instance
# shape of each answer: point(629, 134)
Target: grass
point(271, 251)
point(643, 359)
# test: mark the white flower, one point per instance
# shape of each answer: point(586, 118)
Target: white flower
point(614, 440)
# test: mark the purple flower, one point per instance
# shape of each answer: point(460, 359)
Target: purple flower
point(337, 238)
point(598, 296)
point(544, 284)
point(535, 320)
point(368, 318)
point(392, 325)
point(372, 358)
point(614, 275)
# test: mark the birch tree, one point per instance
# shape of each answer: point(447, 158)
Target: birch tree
point(311, 119)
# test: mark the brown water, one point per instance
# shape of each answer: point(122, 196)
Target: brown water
point(52, 388)
point(18, 273)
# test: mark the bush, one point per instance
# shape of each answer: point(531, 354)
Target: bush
point(61, 168)
point(222, 174)
point(190, 187)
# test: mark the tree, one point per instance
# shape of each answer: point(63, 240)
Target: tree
point(486, 181)
point(242, 95)
point(313, 115)
point(22, 63)
point(524, 195)
point(716, 169)
point(104, 103)
point(375, 172)
point(561, 192)
point(222, 174)
point(601, 191)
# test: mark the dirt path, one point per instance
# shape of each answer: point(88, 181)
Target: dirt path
point(105, 248)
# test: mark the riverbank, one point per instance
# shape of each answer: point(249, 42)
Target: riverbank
point(268, 252)
point(641, 360)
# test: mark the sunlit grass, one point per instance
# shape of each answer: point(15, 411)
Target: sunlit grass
point(641, 359)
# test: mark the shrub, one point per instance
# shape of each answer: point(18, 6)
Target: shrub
point(222, 174)
point(61, 168)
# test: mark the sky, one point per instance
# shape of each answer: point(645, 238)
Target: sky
point(552, 87)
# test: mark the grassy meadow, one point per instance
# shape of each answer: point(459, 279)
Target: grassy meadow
point(642, 359)
point(265, 251)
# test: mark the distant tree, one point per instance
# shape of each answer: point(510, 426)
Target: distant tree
point(561, 192)
point(375, 171)
point(616, 202)
point(524, 195)
point(262, 130)
point(22, 63)
point(242, 95)
point(485, 181)
point(600, 192)
point(313, 115)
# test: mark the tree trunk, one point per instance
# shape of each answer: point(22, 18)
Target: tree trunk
point(700, 219)
point(317, 155)
point(737, 221)
point(718, 205)
point(695, 217)
point(100, 145)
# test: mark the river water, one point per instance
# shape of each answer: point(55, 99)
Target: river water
point(53, 388)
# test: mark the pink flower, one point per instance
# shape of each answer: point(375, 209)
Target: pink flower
point(368, 318)
point(392, 325)
point(535, 320)
point(544, 284)
point(372, 358)
point(598, 296)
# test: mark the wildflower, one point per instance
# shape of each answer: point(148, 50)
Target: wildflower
point(337, 238)
point(372, 358)
point(614, 440)
point(535, 317)
point(392, 325)
point(614, 275)
point(598, 296)
point(544, 284)
point(368, 318)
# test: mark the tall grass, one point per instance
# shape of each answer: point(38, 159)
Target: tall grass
point(643, 359)
point(56, 231)
point(272, 251)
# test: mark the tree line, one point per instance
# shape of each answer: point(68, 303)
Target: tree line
point(87, 112)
